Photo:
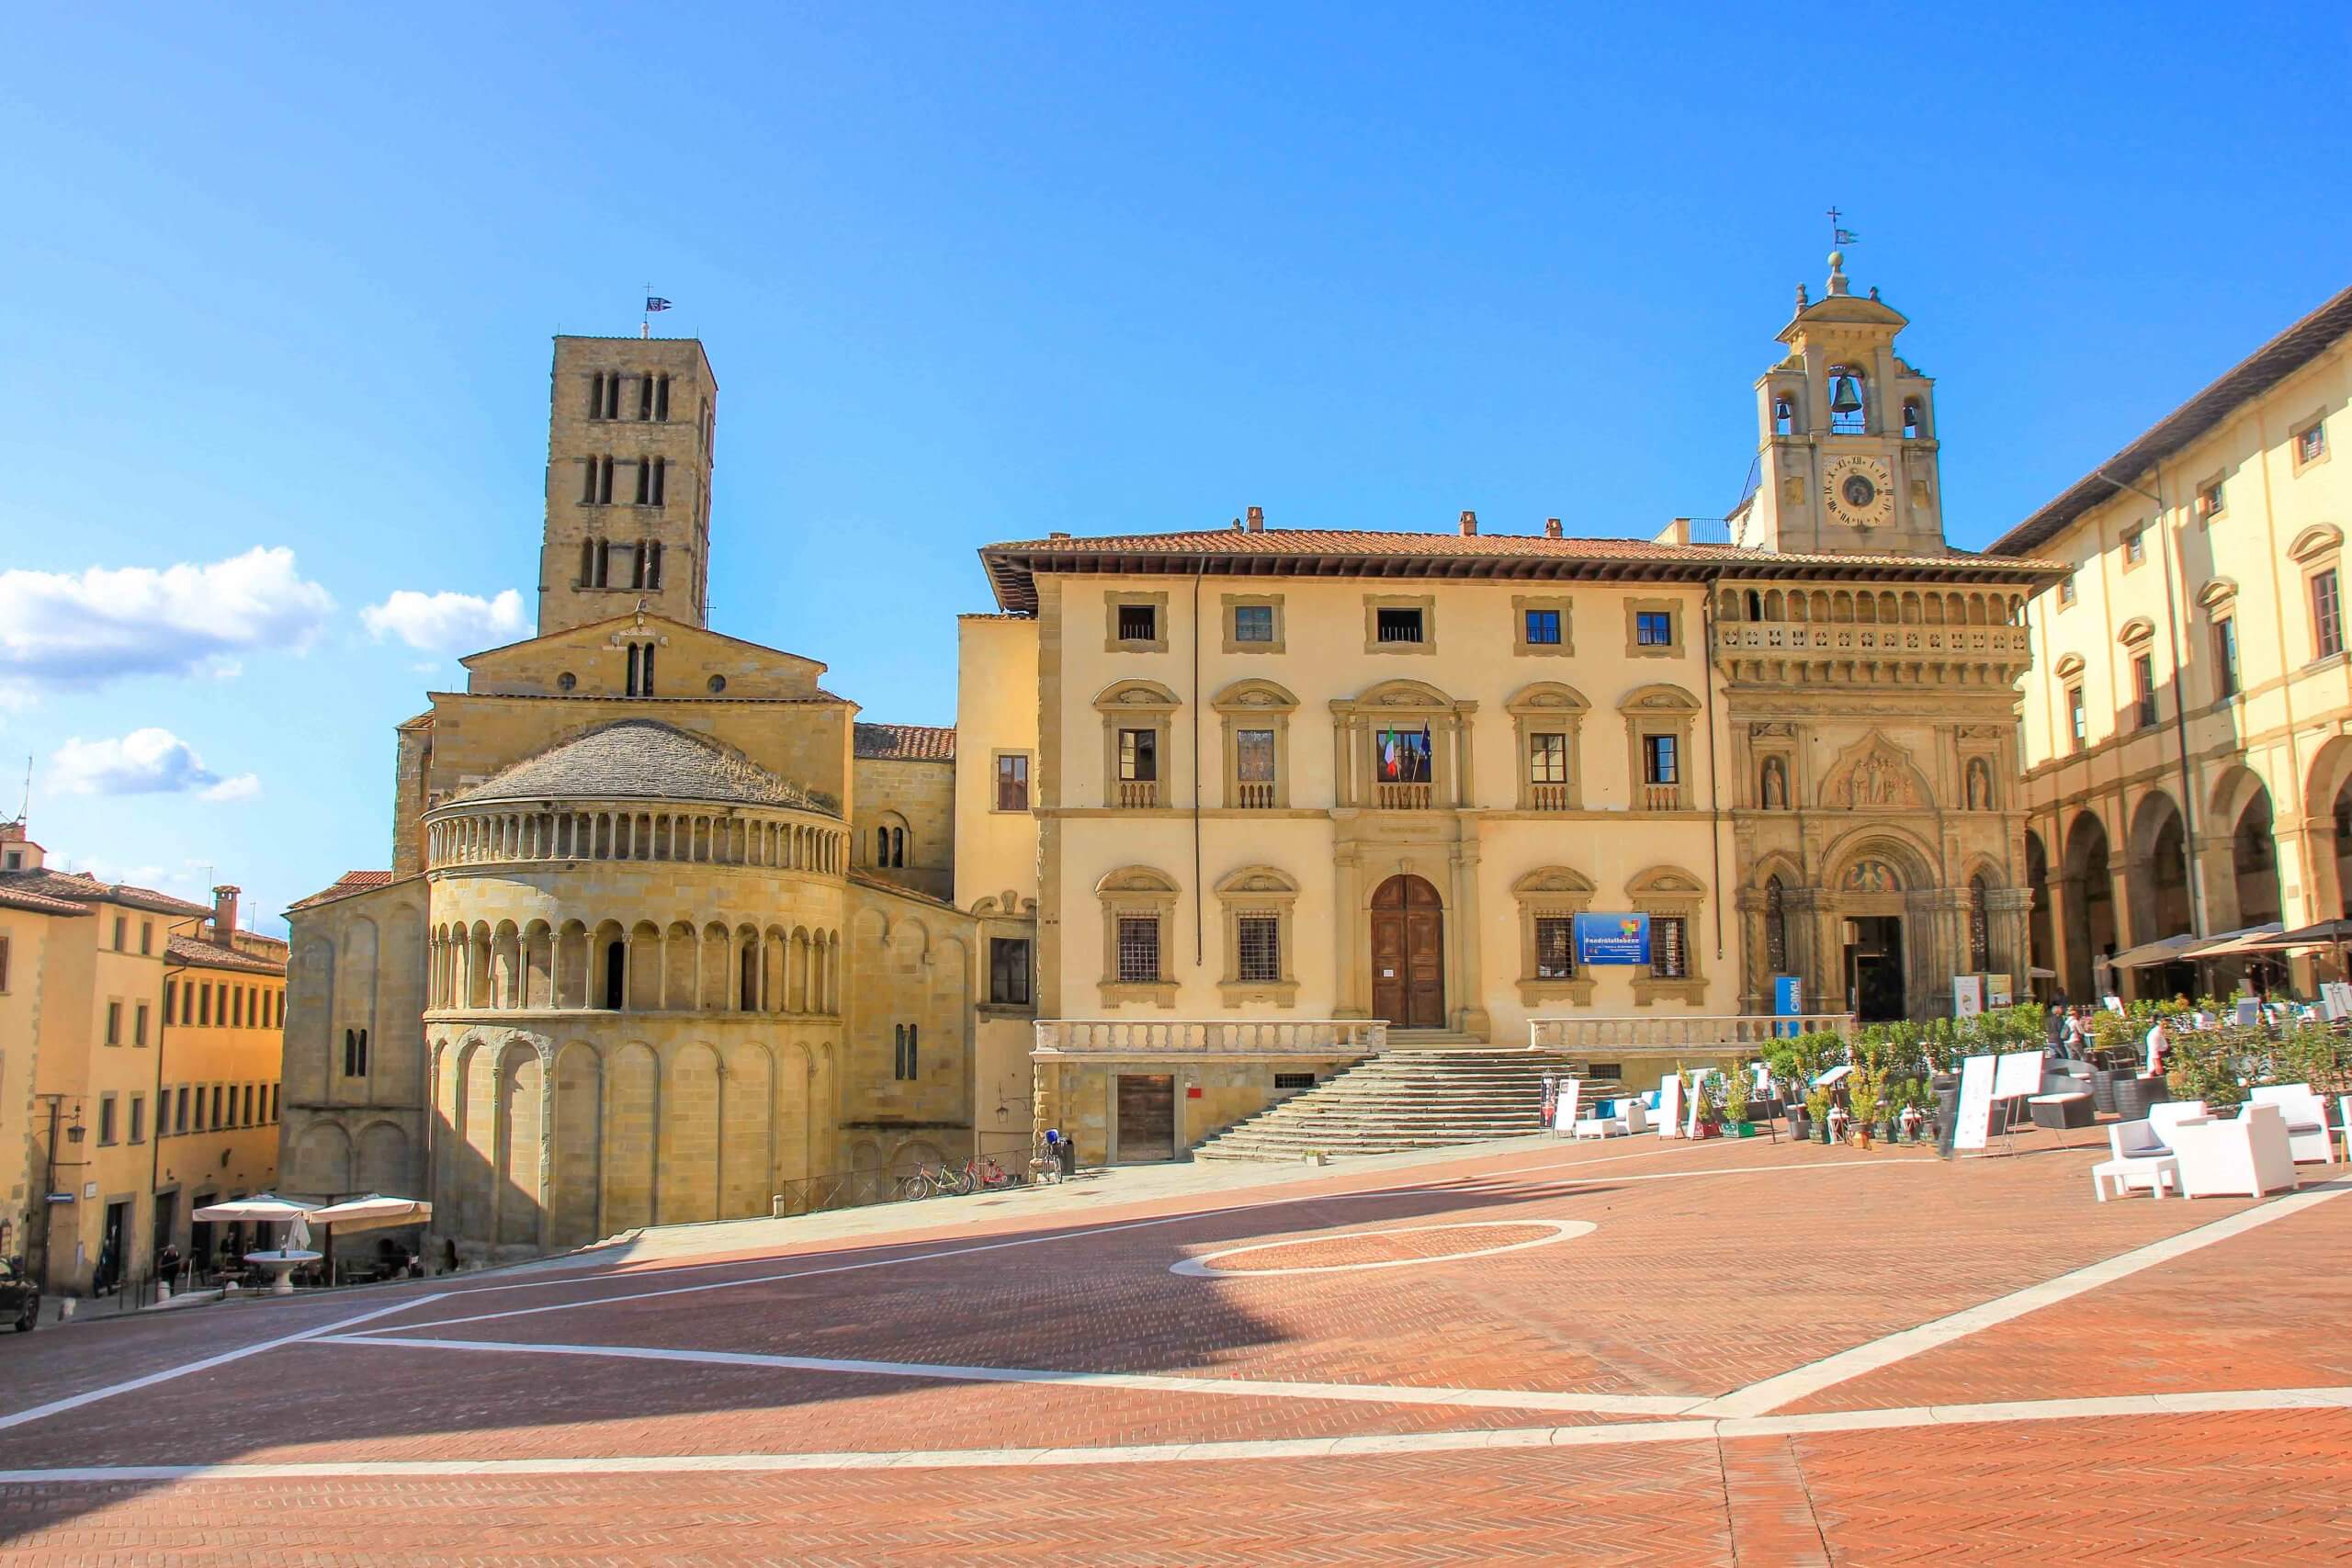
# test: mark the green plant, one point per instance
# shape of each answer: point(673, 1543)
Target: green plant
point(1735, 1092)
point(1817, 1104)
point(1866, 1094)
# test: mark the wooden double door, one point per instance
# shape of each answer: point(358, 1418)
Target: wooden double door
point(1408, 953)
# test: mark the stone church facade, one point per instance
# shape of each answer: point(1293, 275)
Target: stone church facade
point(667, 930)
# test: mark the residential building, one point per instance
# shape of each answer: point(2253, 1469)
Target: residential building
point(92, 1060)
point(2186, 733)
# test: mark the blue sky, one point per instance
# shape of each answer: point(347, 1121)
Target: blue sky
point(283, 281)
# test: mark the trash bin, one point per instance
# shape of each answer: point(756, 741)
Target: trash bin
point(1066, 1150)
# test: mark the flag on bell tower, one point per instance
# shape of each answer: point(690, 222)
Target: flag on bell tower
point(655, 303)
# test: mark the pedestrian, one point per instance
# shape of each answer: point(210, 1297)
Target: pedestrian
point(167, 1264)
point(2158, 1043)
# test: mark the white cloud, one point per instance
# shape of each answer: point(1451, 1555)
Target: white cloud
point(446, 622)
point(81, 629)
point(145, 762)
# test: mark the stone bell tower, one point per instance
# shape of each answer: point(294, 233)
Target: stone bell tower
point(1847, 435)
point(631, 428)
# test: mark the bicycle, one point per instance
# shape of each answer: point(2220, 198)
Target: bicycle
point(983, 1172)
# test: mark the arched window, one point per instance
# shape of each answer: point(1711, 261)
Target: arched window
point(897, 846)
point(1848, 412)
point(881, 846)
point(903, 1063)
point(1784, 414)
point(1980, 937)
point(1755, 605)
point(1913, 421)
point(1776, 928)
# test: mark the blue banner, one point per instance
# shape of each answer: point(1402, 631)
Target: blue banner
point(1612, 938)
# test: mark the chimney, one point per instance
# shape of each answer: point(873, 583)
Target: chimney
point(1469, 524)
point(1675, 532)
point(224, 914)
point(1257, 520)
point(1551, 527)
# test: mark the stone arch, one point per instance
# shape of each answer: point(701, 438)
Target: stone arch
point(2088, 891)
point(632, 1118)
point(323, 1159)
point(2157, 863)
point(2042, 945)
point(2328, 825)
point(693, 1100)
point(1910, 860)
point(1134, 879)
point(1256, 693)
point(747, 1134)
point(1553, 879)
point(1875, 774)
point(520, 1195)
point(576, 1196)
point(383, 1164)
point(913, 1152)
point(794, 1157)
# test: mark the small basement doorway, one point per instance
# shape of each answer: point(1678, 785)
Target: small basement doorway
point(1874, 967)
point(1146, 1117)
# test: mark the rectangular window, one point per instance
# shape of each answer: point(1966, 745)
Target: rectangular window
point(2327, 614)
point(2135, 546)
point(662, 400)
point(1669, 955)
point(1544, 628)
point(139, 1024)
point(146, 936)
point(1009, 970)
point(1294, 1080)
point(2209, 500)
point(138, 1118)
point(203, 1004)
point(1654, 628)
point(1659, 764)
point(273, 1104)
point(1253, 756)
point(2077, 719)
point(1012, 784)
point(4, 963)
point(171, 997)
point(121, 927)
point(1396, 625)
point(114, 1023)
point(2311, 445)
point(903, 1063)
point(1547, 759)
point(249, 1105)
point(1403, 755)
point(179, 1114)
point(1139, 623)
point(2143, 690)
point(2225, 657)
point(645, 397)
point(1253, 623)
point(1138, 756)
point(1260, 939)
point(2066, 589)
point(1555, 948)
point(220, 1105)
point(106, 1119)
point(1138, 950)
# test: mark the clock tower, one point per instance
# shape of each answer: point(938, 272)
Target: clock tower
point(1847, 436)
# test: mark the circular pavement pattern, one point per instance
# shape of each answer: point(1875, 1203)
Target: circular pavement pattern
point(1400, 1247)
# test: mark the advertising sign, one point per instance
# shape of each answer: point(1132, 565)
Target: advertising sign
point(2337, 995)
point(1788, 1001)
point(1669, 1106)
point(1975, 1103)
point(2018, 1077)
point(1613, 938)
point(1566, 1109)
point(1998, 991)
point(1967, 995)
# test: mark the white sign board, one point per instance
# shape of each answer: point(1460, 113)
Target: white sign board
point(2336, 994)
point(1564, 1111)
point(2115, 1004)
point(1975, 1120)
point(1967, 995)
point(1669, 1106)
point(1698, 1103)
point(2020, 1075)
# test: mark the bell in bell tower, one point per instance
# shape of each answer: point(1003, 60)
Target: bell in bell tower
point(1847, 435)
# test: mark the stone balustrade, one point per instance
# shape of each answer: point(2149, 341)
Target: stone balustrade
point(1836, 640)
point(1583, 1034)
point(1174, 1038)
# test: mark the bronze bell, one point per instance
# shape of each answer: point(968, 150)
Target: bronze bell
point(1844, 396)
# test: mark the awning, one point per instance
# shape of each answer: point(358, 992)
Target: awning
point(2245, 938)
point(260, 1206)
point(2148, 954)
point(2327, 933)
point(375, 1212)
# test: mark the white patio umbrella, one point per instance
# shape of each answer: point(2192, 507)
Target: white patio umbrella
point(267, 1207)
point(374, 1212)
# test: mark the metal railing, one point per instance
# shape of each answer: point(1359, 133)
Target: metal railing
point(1193, 1037)
point(1584, 1034)
point(863, 1189)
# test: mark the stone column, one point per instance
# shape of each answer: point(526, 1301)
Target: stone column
point(2008, 914)
point(1473, 1005)
point(1348, 955)
point(2217, 869)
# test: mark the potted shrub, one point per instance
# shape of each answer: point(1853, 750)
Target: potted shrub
point(1816, 1111)
point(1736, 1122)
point(1865, 1099)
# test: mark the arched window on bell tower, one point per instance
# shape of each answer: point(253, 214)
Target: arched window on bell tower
point(1915, 420)
point(1784, 413)
point(1848, 411)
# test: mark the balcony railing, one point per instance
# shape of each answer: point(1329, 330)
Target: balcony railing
point(1210, 1037)
point(1840, 639)
point(1136, 793)
point(1402, 797)
point(1253, 796)
point(1661, 797)
point(1547, 797)
point(1608, 1038)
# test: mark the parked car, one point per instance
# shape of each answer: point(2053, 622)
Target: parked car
point(19, 1296)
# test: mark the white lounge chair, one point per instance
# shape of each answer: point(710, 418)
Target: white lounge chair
point(2306, 1117)
point(1628, 1118)
point(2164, 1116)
point(2245, 1154)
point(2140, 1159)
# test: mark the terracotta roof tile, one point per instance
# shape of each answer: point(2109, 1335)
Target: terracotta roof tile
point(73, 886)
point(208, 955)
point(907, 742)
point(1350, 552)
point(344, 887)
point(35, 903)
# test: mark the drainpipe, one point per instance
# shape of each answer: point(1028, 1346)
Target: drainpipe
point(2179, 700)
point(1715, 799)
point(1199, 928)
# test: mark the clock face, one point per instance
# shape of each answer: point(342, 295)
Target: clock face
point(1859, 493)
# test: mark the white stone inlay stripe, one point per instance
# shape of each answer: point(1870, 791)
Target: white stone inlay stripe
point(1618, 1435)
point(1203, 1267)
point(91, 1396)
point(1155, 1382)
point(1788, 1387)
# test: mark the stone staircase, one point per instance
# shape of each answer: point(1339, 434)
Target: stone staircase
point(1419, 1094)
